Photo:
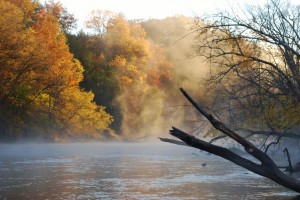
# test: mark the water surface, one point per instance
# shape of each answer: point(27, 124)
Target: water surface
point(126, 171)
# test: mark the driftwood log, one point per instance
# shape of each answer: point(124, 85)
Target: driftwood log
point(266, 168)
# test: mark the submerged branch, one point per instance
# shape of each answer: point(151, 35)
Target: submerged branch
point(267, 168)
point(290, 168)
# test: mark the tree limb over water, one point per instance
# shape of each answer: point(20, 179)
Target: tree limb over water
point(173, 141)
point(267, 168)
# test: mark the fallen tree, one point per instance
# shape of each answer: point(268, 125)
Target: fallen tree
point(267, 167)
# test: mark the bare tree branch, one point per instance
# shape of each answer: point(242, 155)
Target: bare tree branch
point(267, 168)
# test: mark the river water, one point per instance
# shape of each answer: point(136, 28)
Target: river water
point(126, 171)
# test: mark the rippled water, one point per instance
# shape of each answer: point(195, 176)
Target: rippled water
point(126, 171)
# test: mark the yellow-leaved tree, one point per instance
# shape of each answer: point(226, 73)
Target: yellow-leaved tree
point(119, 49)
point(40, 88)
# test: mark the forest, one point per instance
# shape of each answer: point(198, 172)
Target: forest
point(119, 78)
point(107, 82)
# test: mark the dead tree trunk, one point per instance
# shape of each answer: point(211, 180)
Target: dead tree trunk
point(267, 168)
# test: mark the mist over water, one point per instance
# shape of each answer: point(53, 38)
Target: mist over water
point(152, 110)
point(126, 171)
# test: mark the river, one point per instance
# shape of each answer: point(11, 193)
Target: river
point(126, 171)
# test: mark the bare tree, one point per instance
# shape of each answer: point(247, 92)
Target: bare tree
point(255, 63)
point(98, 21)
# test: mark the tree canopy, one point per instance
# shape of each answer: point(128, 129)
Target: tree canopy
point(122, 68)
point(40, 94)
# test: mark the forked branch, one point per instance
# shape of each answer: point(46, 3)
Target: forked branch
point(267, 168)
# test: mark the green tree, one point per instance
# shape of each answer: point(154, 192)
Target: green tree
point(98, 76)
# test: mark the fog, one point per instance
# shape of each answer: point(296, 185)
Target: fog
point(126, 171)
point(158, 109)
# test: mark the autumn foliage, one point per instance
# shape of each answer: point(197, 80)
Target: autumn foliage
point(124, 69)
point(40, 95)
point(109, 80)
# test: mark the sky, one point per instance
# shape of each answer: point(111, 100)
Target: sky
point(145, 9)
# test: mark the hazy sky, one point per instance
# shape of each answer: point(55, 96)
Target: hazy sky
point(145, 9)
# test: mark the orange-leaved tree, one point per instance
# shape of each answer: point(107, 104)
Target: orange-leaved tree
point(40, 73)
point(118, 53)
